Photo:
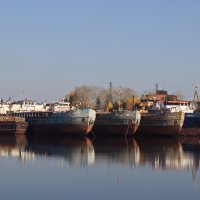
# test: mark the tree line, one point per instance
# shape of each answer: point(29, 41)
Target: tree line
point(100, 98)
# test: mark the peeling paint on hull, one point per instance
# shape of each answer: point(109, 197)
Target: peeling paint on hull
point(75, 122)
point(190, 131)
point(12, 125)
point(118, 123)
point(163, 124)
point(159, 130)
point(60, 129)
point(120, 130)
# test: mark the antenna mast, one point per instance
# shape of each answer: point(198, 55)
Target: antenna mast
point(196, 96)
point(110, 92)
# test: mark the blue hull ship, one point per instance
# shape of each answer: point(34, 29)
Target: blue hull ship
point(191, 125)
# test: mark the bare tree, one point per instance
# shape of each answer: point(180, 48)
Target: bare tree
point(97, 97)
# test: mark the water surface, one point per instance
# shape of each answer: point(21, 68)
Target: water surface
point(43, 167)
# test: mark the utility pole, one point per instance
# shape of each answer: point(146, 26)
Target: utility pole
point(110, 93)
point(196, 96)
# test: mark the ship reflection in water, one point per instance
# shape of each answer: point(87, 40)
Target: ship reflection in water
point(74, 167)
point(168, 153)
point(77, 151)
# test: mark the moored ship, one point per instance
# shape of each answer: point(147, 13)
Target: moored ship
point(161, 122)
point(191, 125)
point(121, 122)
point(162, 114)
point(74, 122)
point(65, 121)
point(12, 125)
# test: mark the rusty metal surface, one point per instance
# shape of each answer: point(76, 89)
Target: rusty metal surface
point(190, 131)
point(57, 129)
point(73, 122)
point(161, 123)
point(11, 119)
point(159, 130)
point(118, 130)
point(12, 125)
point(121, 123)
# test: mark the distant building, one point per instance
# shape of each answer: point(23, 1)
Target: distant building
point(160, 95)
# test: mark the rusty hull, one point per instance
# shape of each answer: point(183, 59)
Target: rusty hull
point(166, 124)
point(118, 123)
point(118, 130)
point(60, 129)
point(12, 125)
point(159, 130)
point(190, 131)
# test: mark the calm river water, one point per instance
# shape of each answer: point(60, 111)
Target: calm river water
point(113, 168)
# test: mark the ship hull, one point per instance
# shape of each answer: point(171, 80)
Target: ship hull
point(74, 122)
point(118, 123)
point(191, 125)
point(12, 125)
point(162, 124)
point(159, 130)
point(62, 129)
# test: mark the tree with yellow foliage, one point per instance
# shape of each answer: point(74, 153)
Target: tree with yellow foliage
point(110, 106)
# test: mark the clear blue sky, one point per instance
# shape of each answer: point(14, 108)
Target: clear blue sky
point(47, 47)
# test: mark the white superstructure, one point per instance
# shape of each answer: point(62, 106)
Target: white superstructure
point(60, 106)
point(179, 105)
point(26, 106)
point(33, 106)
point(174, 106)
point(4, 107)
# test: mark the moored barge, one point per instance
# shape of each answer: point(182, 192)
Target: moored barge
point(55, 118)
point(191, 126)
point(73, 122)
point(118, 123)
point(161, 122)
point(12, 125)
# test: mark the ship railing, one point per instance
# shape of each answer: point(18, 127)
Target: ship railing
point(31, 114)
